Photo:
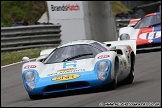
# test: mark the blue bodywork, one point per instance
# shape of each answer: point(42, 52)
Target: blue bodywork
point(156, 29)
point(86, 79)
point(157, 40)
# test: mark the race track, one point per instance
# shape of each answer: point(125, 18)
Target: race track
point(145, 88)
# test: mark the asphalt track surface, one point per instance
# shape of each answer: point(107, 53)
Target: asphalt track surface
point(145, 88)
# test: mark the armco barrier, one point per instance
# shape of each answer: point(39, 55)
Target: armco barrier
point(123, 22)
point(22, 37)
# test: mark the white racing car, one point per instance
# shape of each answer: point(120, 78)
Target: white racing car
point(146, 31)
point(78, 65)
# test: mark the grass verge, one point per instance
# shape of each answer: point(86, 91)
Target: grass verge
point(16, 56)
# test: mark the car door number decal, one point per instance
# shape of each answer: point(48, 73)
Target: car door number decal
point(150, 35)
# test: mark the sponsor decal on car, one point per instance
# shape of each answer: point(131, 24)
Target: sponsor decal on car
point(103, 56)
point(66, 69)
point(125, 64)
point(129, 48)
point(30, 66)
point(65, 77)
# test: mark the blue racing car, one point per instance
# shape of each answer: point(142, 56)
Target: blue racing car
point(78, 65)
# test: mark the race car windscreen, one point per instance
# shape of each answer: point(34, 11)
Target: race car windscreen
point(149, 21)
point(72, 51)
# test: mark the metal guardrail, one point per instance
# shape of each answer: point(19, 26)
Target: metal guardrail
point(121, 23)
point(22, 37)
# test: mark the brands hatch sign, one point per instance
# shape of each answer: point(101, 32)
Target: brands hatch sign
point(59, 10)
point(70, 15)
point(67, 7)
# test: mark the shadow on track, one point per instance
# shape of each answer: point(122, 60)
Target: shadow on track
point(139, 51)
point(72, 93)
point(120, 85)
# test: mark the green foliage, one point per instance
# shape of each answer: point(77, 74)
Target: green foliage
point(29, 11)
point(16, 56)
point(119, 7)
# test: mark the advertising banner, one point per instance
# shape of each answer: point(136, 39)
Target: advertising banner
point(65, 9)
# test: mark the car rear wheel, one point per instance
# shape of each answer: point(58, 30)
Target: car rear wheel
point(130, 77)
point(34, 97)
point(113, 84)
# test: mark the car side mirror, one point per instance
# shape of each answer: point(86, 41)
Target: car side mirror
point(112, 48)
point(25, 59)
point(41, 58)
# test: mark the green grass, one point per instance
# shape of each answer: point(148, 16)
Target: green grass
point(29, 11)
point(16, 56)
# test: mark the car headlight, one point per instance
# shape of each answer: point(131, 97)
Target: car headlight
point(102, 67)
point(30, 79)
point(124, 36)
point(29, 76)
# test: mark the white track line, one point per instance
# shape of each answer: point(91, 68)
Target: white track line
point(15, 63)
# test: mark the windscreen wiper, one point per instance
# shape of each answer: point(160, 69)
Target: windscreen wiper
point(76, 56)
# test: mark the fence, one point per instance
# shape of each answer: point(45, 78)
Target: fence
point(22, 37)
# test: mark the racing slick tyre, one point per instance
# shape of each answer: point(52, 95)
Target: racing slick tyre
point(34, 97)
point(113, 84)
point(130, 77)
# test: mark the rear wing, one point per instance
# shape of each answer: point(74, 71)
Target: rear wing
point(131, 43)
